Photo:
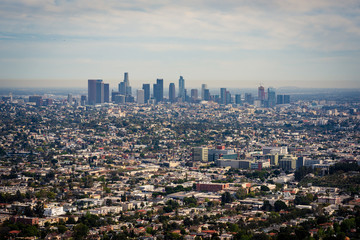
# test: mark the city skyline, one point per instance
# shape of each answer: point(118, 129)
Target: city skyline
point(276, 43)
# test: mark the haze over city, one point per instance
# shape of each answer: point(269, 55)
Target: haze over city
point(220, 43)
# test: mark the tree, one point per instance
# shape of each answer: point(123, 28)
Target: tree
point(264, 188)
point(80, 231)
point(267, 206)
point(279, 205)
point(226, 198)
point(62, 229)
point(108, 202)
point(39, 209)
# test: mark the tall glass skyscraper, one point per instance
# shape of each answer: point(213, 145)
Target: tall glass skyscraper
point(271, 97)
point(96, 91)
point(146, 88)
point(182, 88)
point(159, 90)
point(172, 92)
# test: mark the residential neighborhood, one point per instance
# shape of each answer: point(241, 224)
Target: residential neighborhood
point(179, 171)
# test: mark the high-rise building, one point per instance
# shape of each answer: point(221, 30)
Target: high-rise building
point(95, 91)
point(280, 99)
point(203, 87)
point(122, 88)
point(70, 99)
point(146, 88)
point(228, 97)
point(128, 87)
point(207, 95)
point(286, 99)
point(106, 93)
point(200, 154)
point(159, 90)
point(38, 100)
point(271, 97)
point(99, 92)
point(92, 91)
point(237, 98)
point(248, 98)
point(172, 92)
point(125, 88)
point(223, 95)
point(83, 100)
point(194, 94)
point(261, 93)
point(182, 88)
point(140, 98)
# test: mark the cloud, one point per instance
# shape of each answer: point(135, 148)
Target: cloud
point(242, 24)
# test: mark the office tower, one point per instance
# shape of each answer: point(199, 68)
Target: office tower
point(140, 98)
point(146, 88)
point(69, 99)
point(280, 99)
point(237, 98)
point(99, 92)
point(286, 99)
point(106, 93)
point(36, 99)
point(83, 100)
point(248, 98)
point(182, 88)
point(194, 94)
point(122, 88)
point(271, 97)
point(223, 95)
point(172, 92)
point(288, 163)
point(95, 91)
point(228, 97)
point(200, 154)
point(125, 88)
point(92, 91)
point(203, 87)
point(206, 94)
point(159, 90)
point(126, 78)
point(261, 93)
point(127, 84)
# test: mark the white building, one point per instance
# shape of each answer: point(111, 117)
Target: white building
point(54, 211)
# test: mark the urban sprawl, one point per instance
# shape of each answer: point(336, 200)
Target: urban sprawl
point(110, 165)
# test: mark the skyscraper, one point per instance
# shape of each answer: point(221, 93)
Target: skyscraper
point(222, 95)
point(280, 99)
point(207, 95)
point(261, 93)
point(159, 90)
point(92, 91)
point(194, 94)
point(271, 97)
point(95, 91)
point(228, 97)
point(182, 88)
point(203, 87)
point(237, 98)
point(248, 98)
point(172, 92)
point(99, 92)
point(286, 99)
point(146, 88)
point(106, 93)
point(124, 86)
point(140, 96)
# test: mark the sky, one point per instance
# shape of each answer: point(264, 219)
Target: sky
point(223, 43)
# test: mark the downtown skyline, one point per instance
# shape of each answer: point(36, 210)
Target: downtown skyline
point(232, 43)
